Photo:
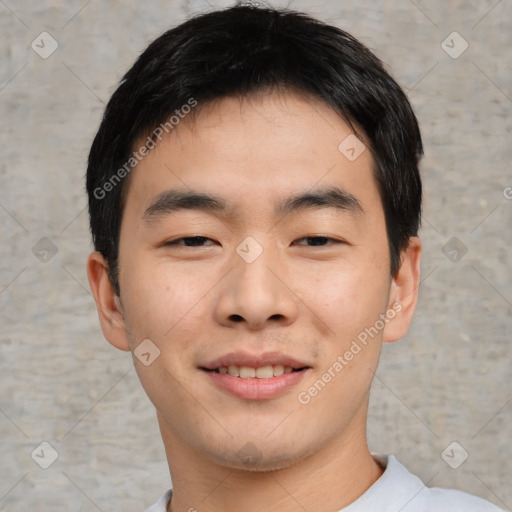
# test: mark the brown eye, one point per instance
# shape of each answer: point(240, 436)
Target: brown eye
point(318, 241)
point(189, 241)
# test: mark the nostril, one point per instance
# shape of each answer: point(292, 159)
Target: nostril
point(236, 318)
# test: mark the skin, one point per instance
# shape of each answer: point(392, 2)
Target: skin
point(307, 301)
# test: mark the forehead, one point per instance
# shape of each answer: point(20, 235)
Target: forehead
point(255, 149)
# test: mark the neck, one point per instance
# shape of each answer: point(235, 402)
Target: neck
point(329, 479)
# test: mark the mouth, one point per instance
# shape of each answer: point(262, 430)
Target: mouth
point(261, 372)
point(244, 365)
point(251, 377)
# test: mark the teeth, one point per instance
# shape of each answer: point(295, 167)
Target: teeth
point(247, 373)
point(234, 371)
point(278, 370)
point(263, 372)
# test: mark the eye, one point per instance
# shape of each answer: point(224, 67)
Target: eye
point(319, 241)
point(189, 241)
point(199, 241)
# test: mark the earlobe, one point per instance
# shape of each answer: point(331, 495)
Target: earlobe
point(403, 295)
point(110, 310)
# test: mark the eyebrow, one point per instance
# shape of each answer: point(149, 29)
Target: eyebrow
point(174, 200)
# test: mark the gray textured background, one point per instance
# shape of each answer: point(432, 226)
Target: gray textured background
point(449, 380)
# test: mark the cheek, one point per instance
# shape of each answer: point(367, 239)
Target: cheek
point(347, 300)
point(156, 297)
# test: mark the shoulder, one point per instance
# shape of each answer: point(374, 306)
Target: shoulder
point(450, 500)
point(415, 496)
point(161, 504)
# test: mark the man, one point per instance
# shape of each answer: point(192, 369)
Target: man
point(254, 201)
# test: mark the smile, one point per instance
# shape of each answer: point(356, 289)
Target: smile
point(262, 372)
point(253, 384)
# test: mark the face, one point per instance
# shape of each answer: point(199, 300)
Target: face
point(276, 270)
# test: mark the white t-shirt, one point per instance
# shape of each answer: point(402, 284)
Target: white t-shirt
point(397, 490)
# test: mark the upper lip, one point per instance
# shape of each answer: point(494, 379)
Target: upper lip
point(254, 360)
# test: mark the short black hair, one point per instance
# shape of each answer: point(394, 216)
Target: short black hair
point(242, 50)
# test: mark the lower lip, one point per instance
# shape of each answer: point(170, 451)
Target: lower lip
point(256, 389)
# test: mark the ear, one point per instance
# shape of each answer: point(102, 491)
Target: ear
point(110, 310)
point(403, 293)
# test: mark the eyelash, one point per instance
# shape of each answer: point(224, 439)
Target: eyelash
point(175, 242)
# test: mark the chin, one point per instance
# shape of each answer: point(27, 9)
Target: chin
point(252, 456)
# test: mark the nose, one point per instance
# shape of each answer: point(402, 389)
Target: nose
point(256, 293)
